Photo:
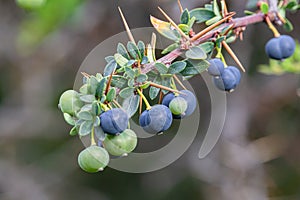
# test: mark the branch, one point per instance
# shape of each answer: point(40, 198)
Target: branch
point(237, 22)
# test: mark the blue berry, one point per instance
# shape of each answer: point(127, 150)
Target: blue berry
point(167, 99)
point(114, 121)
point(157, 119)
point(281, 47)
point(229, 79)
point(216, 67)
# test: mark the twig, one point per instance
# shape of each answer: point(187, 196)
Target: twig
point(126, 26)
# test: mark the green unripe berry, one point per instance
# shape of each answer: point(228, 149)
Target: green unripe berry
point(120, 145)
point(31, 4)
point(93, 159)
point(178, 105)
point(69, 102)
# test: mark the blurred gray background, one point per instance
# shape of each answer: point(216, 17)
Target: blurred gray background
point(256, 158)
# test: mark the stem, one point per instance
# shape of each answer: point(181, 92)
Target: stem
point(148, 106)
point(93, 142)
point(237, 22)
point(272, 27)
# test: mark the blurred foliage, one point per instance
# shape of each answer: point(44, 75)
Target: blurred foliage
point(289, 65)
point(40, 22)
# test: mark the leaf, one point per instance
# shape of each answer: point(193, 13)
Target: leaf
point(99, 133)
point(130, 82)
point(129, 72)
point(288, 26)
point(121, 60)
point(201, 14)
point(216, 8)
point(69, 119)
point(100, 88)
point(86, 107)
point(165, 29)
point(131, 104)
point(87, 98)
point(96, 121)
point(109, 58)
point(207, 47)
point(84, 89)
point(145, 85)
point(194, 67)
point(161, 68)
point(170, 48)
point(121, 49)
point(141, 78)
point(264, 8)
point(110, 68)
point(213, 20)
point(185, 17)
point(126, 92)
point(196, 53)
point(93, 84)
point(111, 95)
point(133, 50)
point(150, 53)
point(166, 81)
point(141, 47)
point(85, 128)
point(176, 67)
point(118, 81)
point(145, 60)
point(185, 28)
point(96, 108)
point(153, 91)
point(85, 115)
point(73, 131)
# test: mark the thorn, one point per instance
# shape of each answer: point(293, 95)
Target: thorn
point(161, 94)
point(209, 28)
point(179, 82)
point(109, 82)
point(180, 6)
point(164, 87)
point(86, 74)
point(174, 24)
point(232, 54)
point(126, 26)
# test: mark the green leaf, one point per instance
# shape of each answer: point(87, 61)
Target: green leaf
point(87, 98)
point(73, 131)
point(119, 81)
point(161, 68)
point(85, 115)
point(248, 12)
point(216, 8)
point(100, 88)
point(207, 47)
point(291, 4)
point(201, 14)
point(111, 95)
point(130, 82)
point(219, 41)
point(185, 28)
point(121, 49)
point(84, 89)
point(131, 104)
point(141, 78)
point(109, 58)
point(166, 81)
point(145, 60)
point(93, 83)
point(69, 119)
point(170, 48)
point(85, 128)
point(126, 92)
point(145, 85)
point(86, 107)
point(194, 67)
point(96, 121)
point(165, 29)
point(129, 72)
point(110, 68)
point(96, 108)
point(185, 17)
point(141, 47)
point(213, 20)
point(99, 133)
point(195, 53)
point(133, 50)
point(288, 26)
point(153, 91)
point(176, 67)
point(121, 60)
point(264, 8)
point(191, 22)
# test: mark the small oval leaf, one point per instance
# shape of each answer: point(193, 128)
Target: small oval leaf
point(196, 53)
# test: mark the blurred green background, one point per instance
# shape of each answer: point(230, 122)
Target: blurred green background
point(256, 158)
